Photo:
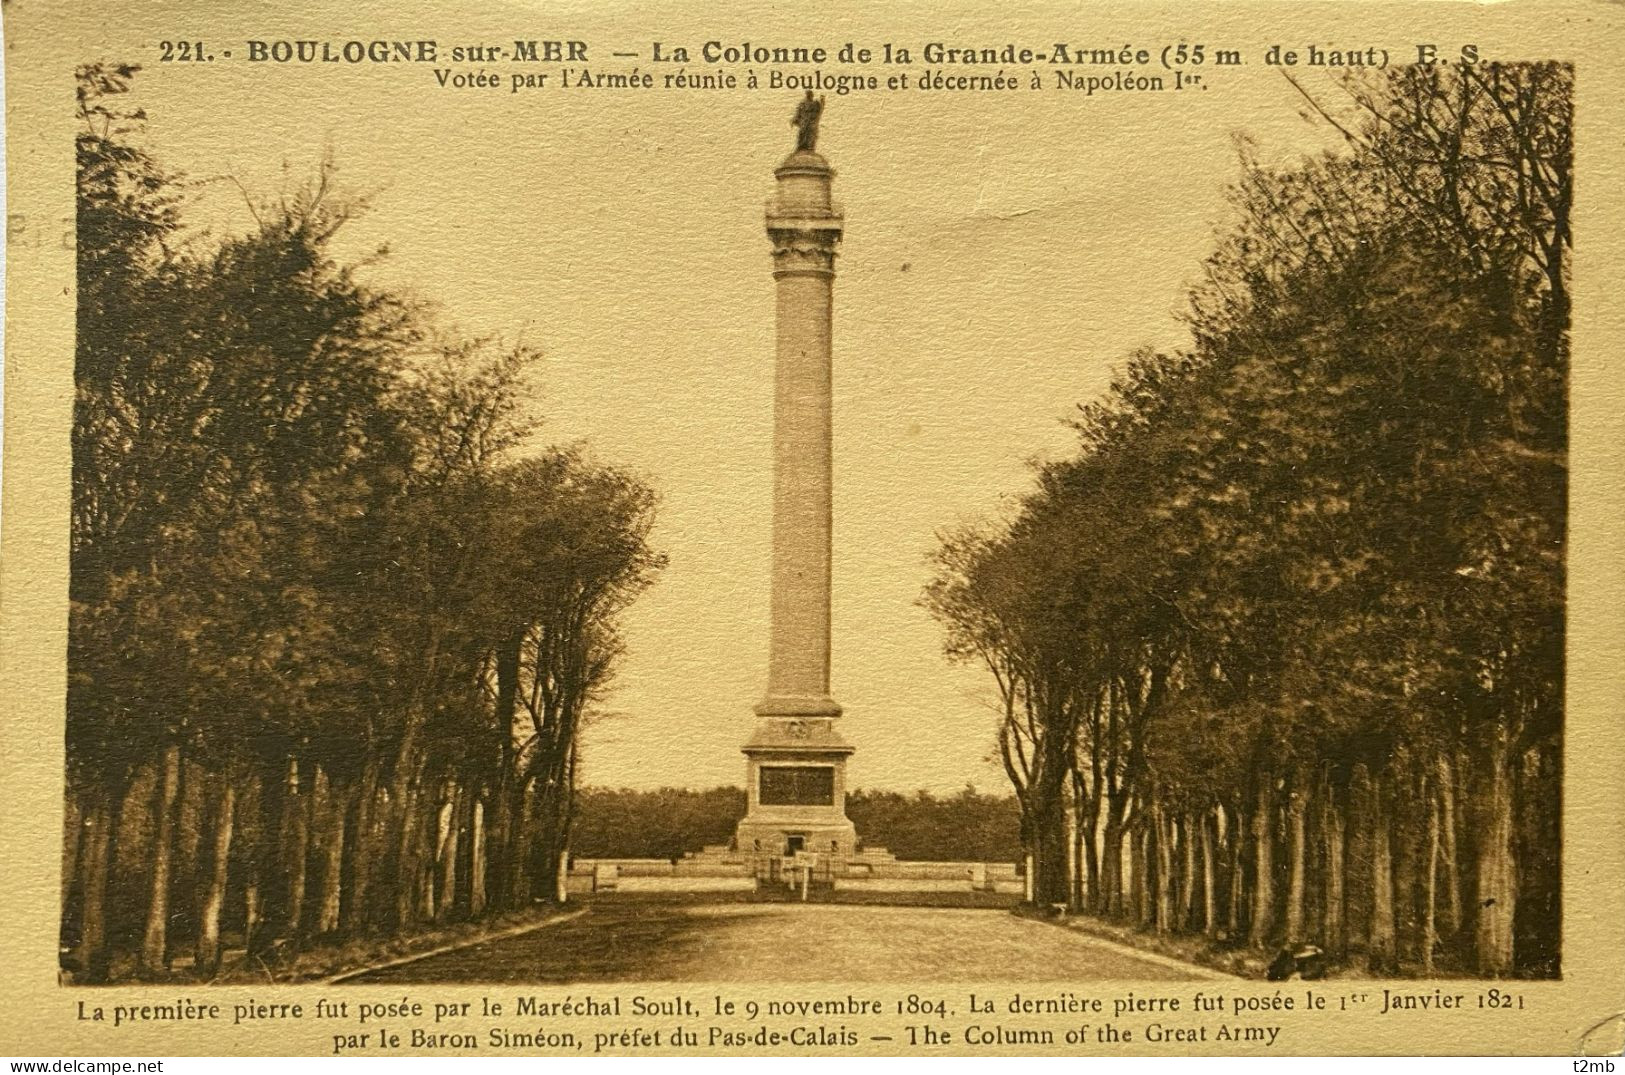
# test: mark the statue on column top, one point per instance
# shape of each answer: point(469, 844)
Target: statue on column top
point(806, 121)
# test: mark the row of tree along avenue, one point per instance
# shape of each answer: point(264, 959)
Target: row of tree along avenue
point(334, 624)
point(1280, 647)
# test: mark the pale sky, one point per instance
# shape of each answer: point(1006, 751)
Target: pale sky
point(1002, 255)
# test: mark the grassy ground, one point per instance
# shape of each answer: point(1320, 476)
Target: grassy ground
point(1221, 955)
point(1195, 948)
point(323, 960)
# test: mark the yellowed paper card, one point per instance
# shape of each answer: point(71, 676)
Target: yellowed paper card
point(610, 529)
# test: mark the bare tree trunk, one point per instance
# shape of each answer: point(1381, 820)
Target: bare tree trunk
point(74, 848)
point(535, 838)
point(1186, 828)
point(1161, 830)
point(296, 809)
point(1402, 801)
point(476, 869)
point(1497, 872)
point(1296, 807)
point(1450, 926)
point(213, 899)
point(363, 850)
point(330, 812)
point(253, 915)
point(269, 873)
point(518, 847)
point(1333, 929)
point(498, 841)
point(1430, 882)
point(1381, 949)
point(1111, 862)
point(95, 864)
point(466, 859)
point(1263, 924)
point(186, 869)
point(1051, 883)
point(1238, 890)
point(250, 806)
point(1210, 896)
point(423, 855)
point(451, 818)
point(1091, 860)
point(1138, 881)
point(406, 793)
point(501, 844)
point(1074, 863)
point(155, 938)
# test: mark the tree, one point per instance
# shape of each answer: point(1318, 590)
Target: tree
point(1307, 578)
point(300, 534)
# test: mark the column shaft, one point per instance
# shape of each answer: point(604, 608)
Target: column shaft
point(798, 664)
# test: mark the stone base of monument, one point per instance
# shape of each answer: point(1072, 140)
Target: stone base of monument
point(766, 836)
point(795, 784)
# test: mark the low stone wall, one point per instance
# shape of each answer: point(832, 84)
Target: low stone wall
point(661, 868)
point(626, 867)
point(708, 874)
point(903, 884)
point(934, 871)
point(687, 884)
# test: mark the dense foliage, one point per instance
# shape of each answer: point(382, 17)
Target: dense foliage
point(664, 824)
point(332, 636)
point(671, 822)
point(969, 826)
point(1281, 647)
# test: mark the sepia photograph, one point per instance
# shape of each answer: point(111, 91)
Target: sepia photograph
point(1272, 650)
point(760, 537)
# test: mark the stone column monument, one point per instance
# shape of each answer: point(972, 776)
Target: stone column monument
point(796, 760)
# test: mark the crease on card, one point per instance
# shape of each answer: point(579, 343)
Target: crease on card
point(1605, 1037)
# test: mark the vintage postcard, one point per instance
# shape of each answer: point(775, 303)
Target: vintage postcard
point(590, 529)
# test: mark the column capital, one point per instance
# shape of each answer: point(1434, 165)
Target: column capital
point(802, 222)
point(803, 247)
